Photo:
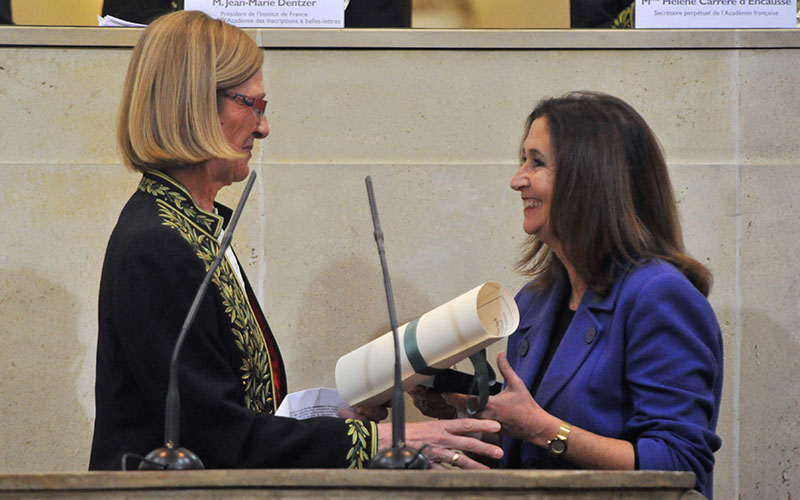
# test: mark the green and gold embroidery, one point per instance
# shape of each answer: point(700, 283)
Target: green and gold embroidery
point(625, 18)
point(364, 444)
point(177, 200)
point(179, 213)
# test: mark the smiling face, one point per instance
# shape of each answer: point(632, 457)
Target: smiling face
point(241, 127)
point(534, 180)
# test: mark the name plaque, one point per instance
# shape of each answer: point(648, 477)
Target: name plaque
point(273, 13)
point(715, 14)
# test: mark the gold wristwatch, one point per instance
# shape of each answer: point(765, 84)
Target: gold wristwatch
point(558, 445)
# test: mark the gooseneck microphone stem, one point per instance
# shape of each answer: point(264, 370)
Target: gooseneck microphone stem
point(172, 456)
point(399, 456)
point(398, 403)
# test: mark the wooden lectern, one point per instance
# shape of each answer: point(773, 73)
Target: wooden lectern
point(316, 483)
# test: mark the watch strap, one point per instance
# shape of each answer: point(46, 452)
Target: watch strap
point(563, 435)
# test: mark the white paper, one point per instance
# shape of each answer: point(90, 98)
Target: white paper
point(715, 14)
point(111, 21)
point(318, 402)
point(445, 336)
point(273, 13)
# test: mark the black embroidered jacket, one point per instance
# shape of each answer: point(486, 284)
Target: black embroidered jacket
point(230, 370)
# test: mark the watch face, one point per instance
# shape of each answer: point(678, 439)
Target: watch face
point(558, 446)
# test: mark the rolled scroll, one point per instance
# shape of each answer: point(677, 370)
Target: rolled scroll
point(437, 339)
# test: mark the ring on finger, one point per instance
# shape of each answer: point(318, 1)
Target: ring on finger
point(456, 456)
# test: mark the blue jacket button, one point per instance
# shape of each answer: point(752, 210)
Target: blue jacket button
point(590, 334)
point(523, 348)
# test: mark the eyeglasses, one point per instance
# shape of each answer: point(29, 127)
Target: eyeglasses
point(258, 105)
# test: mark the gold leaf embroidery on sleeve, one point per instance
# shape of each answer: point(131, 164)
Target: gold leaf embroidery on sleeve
point(363, 442)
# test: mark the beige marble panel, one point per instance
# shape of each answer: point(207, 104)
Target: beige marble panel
point(447, 229)
point(469, 106)
point(770, 394)
point(428, 105)
point(707, 201)
point(51, 259)
point(770, 106)
point(60, 105)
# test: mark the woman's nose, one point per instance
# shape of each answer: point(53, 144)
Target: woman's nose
point(518, 180)
point(262, 130)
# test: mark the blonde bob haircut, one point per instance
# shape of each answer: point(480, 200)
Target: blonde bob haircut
point(169, 111)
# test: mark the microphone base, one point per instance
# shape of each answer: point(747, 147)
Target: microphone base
point(399, 458)
point(169, 458)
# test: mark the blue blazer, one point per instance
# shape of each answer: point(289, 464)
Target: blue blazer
point(643, 364)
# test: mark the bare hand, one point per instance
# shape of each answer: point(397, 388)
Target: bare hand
point(448, 440)
point(515, 409)
point(431, 403)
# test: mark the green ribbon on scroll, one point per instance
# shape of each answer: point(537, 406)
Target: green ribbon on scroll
point(483, 378)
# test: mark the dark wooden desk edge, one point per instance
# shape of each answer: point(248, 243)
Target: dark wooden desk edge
point(336, 479)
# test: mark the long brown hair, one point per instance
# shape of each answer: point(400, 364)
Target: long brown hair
point(613, 203)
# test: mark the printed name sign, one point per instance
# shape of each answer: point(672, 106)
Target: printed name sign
point(273, 13)
point(715, 14)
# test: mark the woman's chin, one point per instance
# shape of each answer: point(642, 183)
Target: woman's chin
point(241, 170)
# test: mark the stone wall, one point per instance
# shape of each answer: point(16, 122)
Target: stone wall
point(435, 118)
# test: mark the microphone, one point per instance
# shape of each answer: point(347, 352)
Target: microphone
point(399, 456)
point(172, 456)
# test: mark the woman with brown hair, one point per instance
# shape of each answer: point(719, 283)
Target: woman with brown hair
point(192, 108)
point(617, 362)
